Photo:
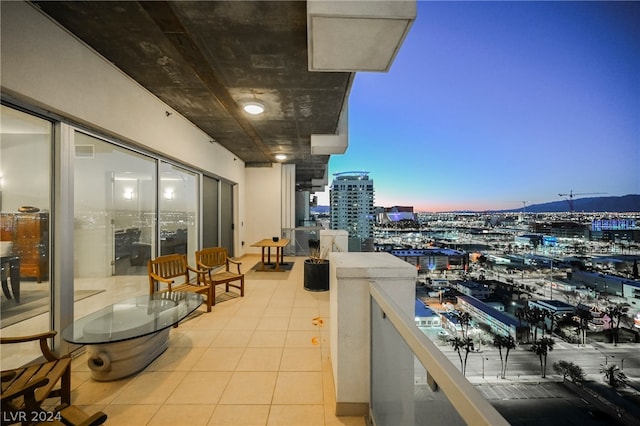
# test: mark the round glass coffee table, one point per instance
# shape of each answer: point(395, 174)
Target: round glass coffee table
point(125, 337)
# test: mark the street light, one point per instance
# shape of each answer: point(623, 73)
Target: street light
point(606, 357)
point(551, 279)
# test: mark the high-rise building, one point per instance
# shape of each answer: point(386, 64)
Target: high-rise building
point(351, 196)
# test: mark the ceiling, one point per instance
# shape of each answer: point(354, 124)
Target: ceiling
point(205, 58)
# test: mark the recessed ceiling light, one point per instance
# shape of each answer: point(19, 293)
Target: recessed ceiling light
point(281, 157)
point(253, 107)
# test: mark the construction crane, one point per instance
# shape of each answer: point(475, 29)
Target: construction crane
point(571, 194)
point(524, 205)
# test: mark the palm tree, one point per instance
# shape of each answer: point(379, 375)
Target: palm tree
point(524, 314)
point(519, 313)
point(459, 344)
point(536, 316)
point(541, 348)
point(613, 376)
point(464, 319)
point(615, 313)
point(508, 343)
point(551, 316)
point(584, 316)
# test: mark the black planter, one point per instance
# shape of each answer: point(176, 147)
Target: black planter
point(316, 275)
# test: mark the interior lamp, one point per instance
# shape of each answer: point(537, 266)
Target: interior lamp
point(253, 107)
point(281, 157)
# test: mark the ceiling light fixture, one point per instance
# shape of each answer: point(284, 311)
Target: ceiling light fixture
point(281, 157)
point(253, 107)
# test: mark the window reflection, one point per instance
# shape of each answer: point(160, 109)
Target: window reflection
point(178, 211)
point(114, 232)
point(25, 158)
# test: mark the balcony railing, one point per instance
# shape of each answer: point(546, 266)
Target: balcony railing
point(412, 381)
point(300, 236)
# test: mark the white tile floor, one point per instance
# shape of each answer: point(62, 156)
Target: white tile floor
point(258, 360)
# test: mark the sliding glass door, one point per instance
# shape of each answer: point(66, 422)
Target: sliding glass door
point(25, 204)
point(178, 211)
point(125, 208)
point(115, 192)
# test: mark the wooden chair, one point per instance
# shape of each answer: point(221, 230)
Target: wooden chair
point(68, 415)
point(24, 389)
point(213, 259)
point(166, 269)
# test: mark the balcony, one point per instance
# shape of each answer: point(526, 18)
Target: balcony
point(271, 358)
point(258, 360)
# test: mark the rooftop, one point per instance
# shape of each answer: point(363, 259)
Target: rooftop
point(500, 316)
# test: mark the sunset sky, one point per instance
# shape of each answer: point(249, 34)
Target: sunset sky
point(489, 104)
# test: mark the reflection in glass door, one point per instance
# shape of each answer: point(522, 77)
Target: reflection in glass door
point(114, 203)
point(25, 185)
point(178, 211)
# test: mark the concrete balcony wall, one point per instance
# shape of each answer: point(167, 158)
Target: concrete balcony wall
point(350, 339)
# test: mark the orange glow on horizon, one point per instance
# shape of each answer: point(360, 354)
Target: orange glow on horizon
point(448, 207)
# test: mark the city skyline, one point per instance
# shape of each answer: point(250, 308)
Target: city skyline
point(492, 104)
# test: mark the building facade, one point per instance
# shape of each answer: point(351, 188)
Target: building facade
point(499, 322)
point(351, 197)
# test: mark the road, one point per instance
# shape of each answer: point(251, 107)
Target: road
point(524, 364)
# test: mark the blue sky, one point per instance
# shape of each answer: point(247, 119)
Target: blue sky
point(489, 104)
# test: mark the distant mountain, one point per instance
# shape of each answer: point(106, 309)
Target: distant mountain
point(622, 204)
point(320, 209)
point(625, 203)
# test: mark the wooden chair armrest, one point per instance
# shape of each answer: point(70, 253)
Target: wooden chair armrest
point(235, 262)
point(42, 337)
point(27, 391)
point(22, 339)
point(8, 375)
point(158, 278)
point(198, 271)
point(161, 279)
point(204, 267)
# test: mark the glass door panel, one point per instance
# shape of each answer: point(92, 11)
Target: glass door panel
point(25, 187)
point(114, 235)
point(178, 200)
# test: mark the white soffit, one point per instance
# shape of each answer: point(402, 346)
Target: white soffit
point(328, 144)
point(333, 144)
point(318, 183)
point(351, 36)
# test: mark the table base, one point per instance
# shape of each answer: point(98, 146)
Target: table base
point(272, 267)
point(112, 361)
